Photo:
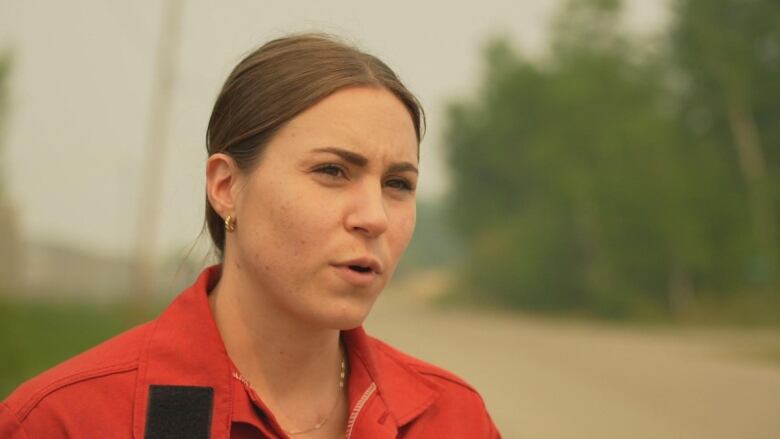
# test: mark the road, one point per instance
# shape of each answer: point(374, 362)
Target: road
point(549, 379)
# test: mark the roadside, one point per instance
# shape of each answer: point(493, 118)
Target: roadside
point(545, 378)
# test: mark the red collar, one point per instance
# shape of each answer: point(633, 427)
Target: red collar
point(184, 348)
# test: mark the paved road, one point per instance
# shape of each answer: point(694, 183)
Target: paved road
point(543, 379)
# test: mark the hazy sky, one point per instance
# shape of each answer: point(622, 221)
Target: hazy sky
point(82, 78)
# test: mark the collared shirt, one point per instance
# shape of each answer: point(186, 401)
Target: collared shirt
point(172, 377)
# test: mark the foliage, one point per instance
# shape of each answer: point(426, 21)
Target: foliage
point(603, 178)
point(727, 55)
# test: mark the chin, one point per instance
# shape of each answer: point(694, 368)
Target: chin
point(345, 316)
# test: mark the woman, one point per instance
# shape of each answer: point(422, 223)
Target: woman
point(313, 150)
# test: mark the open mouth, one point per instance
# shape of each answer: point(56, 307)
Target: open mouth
point(357, 274)
point(359, 268)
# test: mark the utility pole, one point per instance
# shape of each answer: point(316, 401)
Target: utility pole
point(157, 134)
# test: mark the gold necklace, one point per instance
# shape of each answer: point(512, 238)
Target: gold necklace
point(319, 425)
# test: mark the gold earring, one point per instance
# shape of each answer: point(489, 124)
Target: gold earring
point(230, 223)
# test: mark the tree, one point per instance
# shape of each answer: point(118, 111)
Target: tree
point(727, 55)
point(584, 181)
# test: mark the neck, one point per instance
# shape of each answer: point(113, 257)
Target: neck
point(286, 360)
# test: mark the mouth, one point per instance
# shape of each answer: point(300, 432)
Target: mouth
point(366, 264)
point(360, 272)
point(360, 268)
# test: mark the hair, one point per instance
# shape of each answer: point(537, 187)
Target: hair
point(280, 80)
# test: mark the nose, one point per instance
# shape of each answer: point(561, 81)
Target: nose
point(368, 214)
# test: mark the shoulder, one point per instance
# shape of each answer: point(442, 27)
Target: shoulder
point(82, 382)
point(458, 405)
point(442, 377)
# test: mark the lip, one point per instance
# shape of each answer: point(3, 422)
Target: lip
point(369, 262)
point(357, 278)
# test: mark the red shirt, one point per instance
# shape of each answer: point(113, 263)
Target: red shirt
point(172, 377)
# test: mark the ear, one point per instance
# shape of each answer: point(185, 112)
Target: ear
point(222, 179)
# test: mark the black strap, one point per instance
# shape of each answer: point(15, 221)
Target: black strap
point(178, 412)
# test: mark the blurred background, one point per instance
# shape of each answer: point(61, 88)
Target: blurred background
point(598, 238)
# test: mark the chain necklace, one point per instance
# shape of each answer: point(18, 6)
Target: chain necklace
point(318, 425)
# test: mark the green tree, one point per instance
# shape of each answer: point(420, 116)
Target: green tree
point(727, 56)
point(593, 180)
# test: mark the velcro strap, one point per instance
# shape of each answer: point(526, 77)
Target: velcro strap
point(178, 412)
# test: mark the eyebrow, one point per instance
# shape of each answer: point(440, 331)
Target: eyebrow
point(361, 161)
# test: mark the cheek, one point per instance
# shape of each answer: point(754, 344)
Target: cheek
point(265, 225)
point(404, 231)
point(294, 227)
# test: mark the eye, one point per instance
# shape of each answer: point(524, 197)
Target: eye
point(331, 170)
point(400, 184)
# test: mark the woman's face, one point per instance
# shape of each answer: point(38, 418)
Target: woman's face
point(328, 211)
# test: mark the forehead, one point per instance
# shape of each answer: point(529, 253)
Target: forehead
point(371, 121)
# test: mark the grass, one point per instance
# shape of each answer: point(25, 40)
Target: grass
point(38, 334)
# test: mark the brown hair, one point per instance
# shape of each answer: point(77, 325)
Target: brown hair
point(280, 80)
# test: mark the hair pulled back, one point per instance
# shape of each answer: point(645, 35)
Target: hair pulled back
point(280, 80)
